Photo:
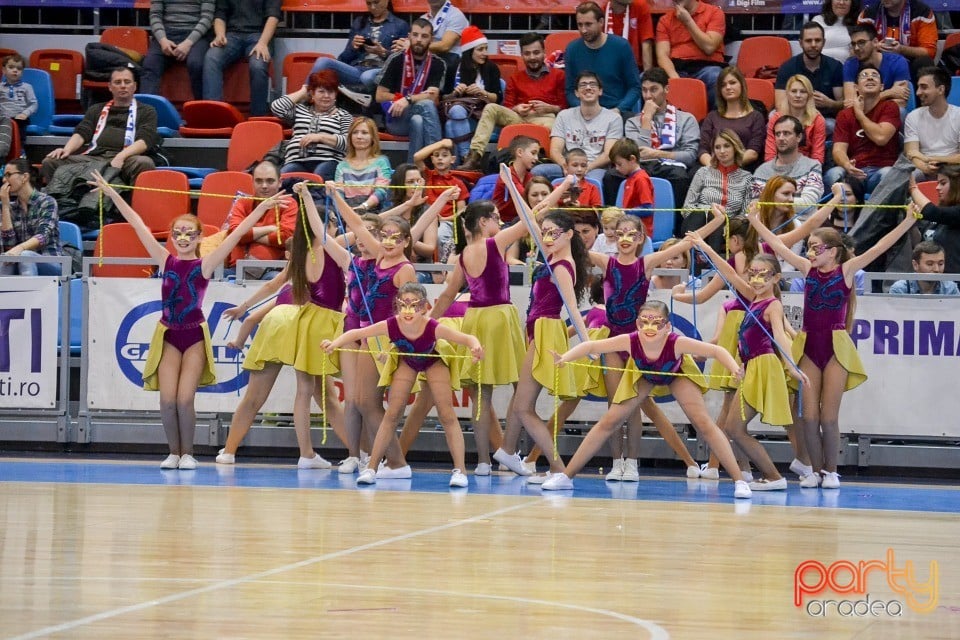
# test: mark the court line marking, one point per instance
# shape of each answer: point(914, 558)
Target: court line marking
point(255, 577)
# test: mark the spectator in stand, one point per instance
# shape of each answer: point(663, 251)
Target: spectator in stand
point(638, 189)
point(180, 33)
point(667, 137)
point(905, 27)
point(606, 243)
point(866, 141)
point(734, 112)
point(364, 172)
point(409, 89)
point(28, 223)
point(690, 43)
point(928, 257)
point(606, 55)
point(267, 240)
point(836, 18)
point(17, 101)
point(824, 73)
point(123, 131)
point(807, 172)
point(583, 193)
point(589, 126)
point(372, 38)
point(448, 24)
point(722, 182)
point(801, 105)
point(523, 151)
point(630, 19)
point(320, 128)
point(946, 214)
point(587, 226)
point(533, 96)
point(478, 81)
point(893, 67)
point(242, 29)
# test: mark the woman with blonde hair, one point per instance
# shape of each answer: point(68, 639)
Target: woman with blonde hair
point(364, 171)
point(799, 104)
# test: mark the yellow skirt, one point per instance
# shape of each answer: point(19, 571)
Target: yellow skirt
point(843, 350)
point(720, 379)
point(764, 388)
point(448, 350)
point(632, 376)
point(151, 381)
point(297, 332)
point(589, 377)
point(550, 334)
point(499, 331)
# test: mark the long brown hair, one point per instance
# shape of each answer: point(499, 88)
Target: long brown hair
point(374, 137)
point(745, 106)
point(297, 267)
point(952, 173)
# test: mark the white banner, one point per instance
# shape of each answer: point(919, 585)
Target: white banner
point(28, 347)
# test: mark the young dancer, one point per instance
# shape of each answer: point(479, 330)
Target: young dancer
point(180, 357)
point(824, 349)
point(654, 350)
point(413, 333)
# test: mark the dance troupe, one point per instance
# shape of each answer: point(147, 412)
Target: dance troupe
point(348, 305)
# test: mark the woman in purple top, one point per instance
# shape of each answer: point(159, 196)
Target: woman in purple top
point(415, 337)
point(824, 350)
point(654, 350)
point(180, 358)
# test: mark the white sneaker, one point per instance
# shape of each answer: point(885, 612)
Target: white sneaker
point(349, 465)
point(367, 476)
point(693, 472)
point(800, 469)
point(831, 480)
point(741, 490)
point(172, 461)
point(363, 99)
point(630, 471)
point(709, 473)
point(616, 473)
point(483, 469)
point(364, 459)
point(769, 485)
point(747, 476)
point(400, 473)
point(226, 458)
point(457, 479)
point(810, 481)
point(316, 462)
point(538, 479)
point(531, 467)
point(513, 462)
point(557, 482)
point(187, 462)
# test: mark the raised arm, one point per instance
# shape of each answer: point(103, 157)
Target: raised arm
point(339, 254)
point(354, 221)
point(722, 266)
point(856, 263)
point(156, 250)
point(701, 295)
point(799, 263)
point(791, 238)
point(216, 257)
point(430, 216)
point(555, 196)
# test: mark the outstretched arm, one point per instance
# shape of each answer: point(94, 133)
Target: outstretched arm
point(723, 267)
point(592, 347)
point(555, 196)
point(354, 221)
point(354, 335)
point(339, 254)
point(816, 220)
point(470, 342)
point(246, 327)
point(856, 263)
point(262, 293)
point(429, 217)
point(156, 250)
point(218, 255)
point(704, 350)
point(655, 259)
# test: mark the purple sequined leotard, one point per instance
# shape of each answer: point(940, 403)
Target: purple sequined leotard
point(545, 298)
point(667, 362)
point(329, 291)
point(492, 286)
point(426, 342)
point(754, 341)
point(381, 292)
point(361, 273)
point(182, 292)
point(826, 296)
point(625, 289)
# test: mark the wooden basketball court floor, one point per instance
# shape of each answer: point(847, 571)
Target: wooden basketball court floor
point(95, 548)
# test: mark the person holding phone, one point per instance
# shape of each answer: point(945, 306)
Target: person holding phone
point(907, 28)
point(894, 69)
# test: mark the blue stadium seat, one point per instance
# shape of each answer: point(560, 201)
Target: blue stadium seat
point(483, 190)
point(43, 87)
point(70, 234)
point(663, 221)
point(168, 119)
point(592, 181)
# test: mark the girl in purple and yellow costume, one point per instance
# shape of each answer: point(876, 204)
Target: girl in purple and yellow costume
point(180, 357)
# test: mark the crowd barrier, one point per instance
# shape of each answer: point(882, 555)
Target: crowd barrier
point(909, 345)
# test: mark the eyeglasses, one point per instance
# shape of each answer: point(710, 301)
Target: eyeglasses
point(869, 74)
point(859, 44)
point(588, 85)
point(10, 174)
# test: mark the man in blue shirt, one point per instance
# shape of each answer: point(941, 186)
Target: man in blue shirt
point(928, 257)
point(824, 73)
point(894, 68)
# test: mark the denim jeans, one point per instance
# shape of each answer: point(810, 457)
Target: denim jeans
point(326, 169)
point(709, 77)
point(156, 61)
point(460, 125)
point(29, 268)
point(348, 74)
point(217, 59)
point(420, 122)
point(860, 187)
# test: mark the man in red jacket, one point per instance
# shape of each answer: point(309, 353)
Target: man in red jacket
point(533, 96)
point(266, 241)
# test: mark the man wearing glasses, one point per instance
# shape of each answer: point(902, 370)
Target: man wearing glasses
point(894, 69)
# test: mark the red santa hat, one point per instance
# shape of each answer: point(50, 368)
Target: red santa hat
point(470, 38)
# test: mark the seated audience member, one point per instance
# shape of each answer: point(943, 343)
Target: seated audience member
point(478, 83)
point(372, 38)
point(606, 243)
point(668, 138)
point(439, 175)
point(931, 139)
point(588, 126)
point(242, 30)
point(734, 112)
point(409, 89)
point(320, 127)
point(894, 70)
point(180, 34)
point(800, 104)
point(866, 141)
point(364, 172)
point(17, 101)
point(266, 241)
point(121, 133)
point(637, 188)
point(523, 151)
point(631, 20)
point(608, 56)
point(583, 193)
point(690, 43)
point(905, 27)
point(28, 222)
point(945, 215)
point(836, 17)
point(928, 257)
point(448, 24)
point(587, 226)
point(824, 73)
point(534, 95)
point(789, 162)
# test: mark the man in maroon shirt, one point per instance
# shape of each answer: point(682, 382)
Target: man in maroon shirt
point(866, 141)
point(533, 96)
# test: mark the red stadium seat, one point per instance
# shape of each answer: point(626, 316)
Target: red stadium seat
point(65, 67)
point(535, 131)
point(209, 119)
point(929, 189)
point(338, 6)
point(158, 207)
point(760, 51)
point(558, 40)
point(508, 65)
point(120, 241)
point(250, 142)
point(296, 69)
point(690, 95)
point(132, 39)
point(213, 207)
point(762, 90)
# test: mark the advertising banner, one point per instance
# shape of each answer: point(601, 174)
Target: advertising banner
point(28, 346)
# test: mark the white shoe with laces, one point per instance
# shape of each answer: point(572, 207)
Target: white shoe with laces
point(172, 461)
point(483, 469)
point(226, 458)
point(709, 473)
point(349, 465)
point(316, 462)
point(367, 476)
point(557, 482)
point(631, 472)
point(513, 462)
point(457, 479)
point(742, 490)
point(831, 480)
point(616, 473)
point(693, 472)
point(187, 462)
point(800, 469)
point(810, 481)
point(768, 485)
